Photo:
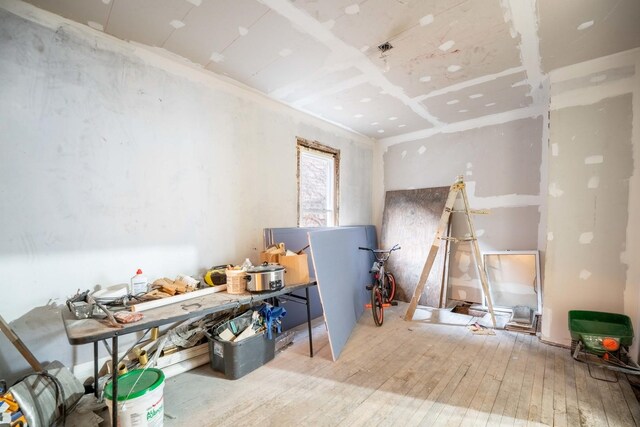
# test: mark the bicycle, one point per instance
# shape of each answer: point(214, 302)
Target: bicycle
point(383, 289)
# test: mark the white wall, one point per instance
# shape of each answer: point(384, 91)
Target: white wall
point(115, 157)
point(594, 181)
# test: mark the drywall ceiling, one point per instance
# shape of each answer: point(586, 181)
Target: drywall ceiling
point(451, 61)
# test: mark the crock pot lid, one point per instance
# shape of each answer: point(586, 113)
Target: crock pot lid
point(265, 268)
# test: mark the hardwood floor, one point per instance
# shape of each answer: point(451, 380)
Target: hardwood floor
point(408, 373)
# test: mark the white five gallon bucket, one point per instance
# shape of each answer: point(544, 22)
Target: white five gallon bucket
point(140, 398)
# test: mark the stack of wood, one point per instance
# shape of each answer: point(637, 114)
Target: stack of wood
point(165, 287)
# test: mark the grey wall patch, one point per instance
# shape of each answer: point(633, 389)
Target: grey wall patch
point(585, 238)
point(555, 190)
point(594, 160)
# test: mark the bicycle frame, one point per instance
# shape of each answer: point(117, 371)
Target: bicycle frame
point(380, 297)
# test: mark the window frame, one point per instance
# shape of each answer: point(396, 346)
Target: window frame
point(303, 145)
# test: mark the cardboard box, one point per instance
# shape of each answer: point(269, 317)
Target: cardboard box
point(268, 257)
point(296, 269)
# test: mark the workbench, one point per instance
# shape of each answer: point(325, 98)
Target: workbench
point(87, 331)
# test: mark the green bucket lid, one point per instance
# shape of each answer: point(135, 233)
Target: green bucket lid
point(135, 384)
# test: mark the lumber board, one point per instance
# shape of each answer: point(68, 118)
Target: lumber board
point(148, 305)
point(20, 346)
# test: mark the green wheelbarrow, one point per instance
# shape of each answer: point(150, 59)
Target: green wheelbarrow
point(605, 337)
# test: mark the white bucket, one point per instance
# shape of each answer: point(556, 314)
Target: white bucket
point(140, 398)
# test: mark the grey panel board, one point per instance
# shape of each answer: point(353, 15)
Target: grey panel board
point(411, 219)
point(342, 271)
point(297, 238)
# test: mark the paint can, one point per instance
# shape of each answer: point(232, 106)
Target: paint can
point(140, 398)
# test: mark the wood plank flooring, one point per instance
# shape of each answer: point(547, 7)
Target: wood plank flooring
point(407, 374)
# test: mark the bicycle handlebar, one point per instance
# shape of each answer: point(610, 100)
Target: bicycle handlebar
point(395, 247)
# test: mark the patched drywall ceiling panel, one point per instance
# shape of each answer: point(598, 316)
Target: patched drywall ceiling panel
point(573, 31)
point(502, 94)
point(92, 13)
point(213, 27)
point(318, 54)
point(270, 53)
point(149, 22)
point(360, 109)
point(323, 83)
point(445, 51)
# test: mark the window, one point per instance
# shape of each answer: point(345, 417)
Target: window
point(318, 177)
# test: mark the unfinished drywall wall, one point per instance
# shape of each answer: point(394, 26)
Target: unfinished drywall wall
point(589, 173)
point(501, 165)
point(116, 158)
point(594, 202)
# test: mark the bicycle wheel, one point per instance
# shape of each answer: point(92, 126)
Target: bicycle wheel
point(390, 286)
point(376, 306)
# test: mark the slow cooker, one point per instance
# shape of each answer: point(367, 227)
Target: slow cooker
point(265, 277)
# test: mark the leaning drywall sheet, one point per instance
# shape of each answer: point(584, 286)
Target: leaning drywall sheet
point(411, 219)
point(342, 274)
point(295, 239)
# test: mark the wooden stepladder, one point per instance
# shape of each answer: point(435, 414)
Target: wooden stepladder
point(457, 188)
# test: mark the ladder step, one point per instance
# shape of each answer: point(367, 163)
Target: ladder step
point(473, 211)
point(457, 239)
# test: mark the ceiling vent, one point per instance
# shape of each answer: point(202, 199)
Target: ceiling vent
point(385, 47)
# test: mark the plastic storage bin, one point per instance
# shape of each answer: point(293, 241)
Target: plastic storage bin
point(236, 359)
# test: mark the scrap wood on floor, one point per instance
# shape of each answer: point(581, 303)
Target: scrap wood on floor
point(447, 317)
point(478, 329)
